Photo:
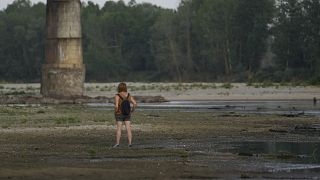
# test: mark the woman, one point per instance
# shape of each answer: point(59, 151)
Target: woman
point(121, 114)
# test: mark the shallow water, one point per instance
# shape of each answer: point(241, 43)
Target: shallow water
point(303, 157)
point(307, 108)
point(302, 152)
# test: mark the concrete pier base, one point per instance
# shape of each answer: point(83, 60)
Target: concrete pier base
point(60, 82)
point(63, 73)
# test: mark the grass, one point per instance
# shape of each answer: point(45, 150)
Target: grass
point(14, 111)
point(227, 86)
point(67, 120)
point(89, 88)
point(266, 84)
point(92, 152)
point(162, 87)
point(15, 93)
point(172, 87)
point(51, 116)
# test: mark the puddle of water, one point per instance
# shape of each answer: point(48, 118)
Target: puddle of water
point(306, 108)
point(294, 168)
point(299, 152)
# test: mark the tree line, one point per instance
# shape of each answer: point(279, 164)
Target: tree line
point(201, 40)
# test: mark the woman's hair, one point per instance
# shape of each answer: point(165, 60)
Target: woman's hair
point(122, 87)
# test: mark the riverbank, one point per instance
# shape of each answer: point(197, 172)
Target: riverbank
point(211, 91)
point(186, 91)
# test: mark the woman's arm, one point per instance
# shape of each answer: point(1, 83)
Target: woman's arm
point(116, 103)
point(134, 103)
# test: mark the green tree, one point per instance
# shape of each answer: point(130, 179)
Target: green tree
point(117, 40)
point(252, 20)
point(296, 38)
point(213, 26)
point(165, 48)
point(184, 35)
point(312, 36)
point(22, 40)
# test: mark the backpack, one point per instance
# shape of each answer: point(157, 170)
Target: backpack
point(125, 105)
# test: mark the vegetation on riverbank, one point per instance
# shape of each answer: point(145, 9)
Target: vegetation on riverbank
point(206, 41)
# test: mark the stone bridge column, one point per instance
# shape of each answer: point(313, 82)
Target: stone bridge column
point(63, 73)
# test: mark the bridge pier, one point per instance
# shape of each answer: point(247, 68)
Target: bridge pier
point(63, 73)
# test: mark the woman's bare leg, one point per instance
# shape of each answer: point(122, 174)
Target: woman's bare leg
point(118, 133)
point(128, 127)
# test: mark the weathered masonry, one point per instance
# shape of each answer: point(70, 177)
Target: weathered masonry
point(63, 73)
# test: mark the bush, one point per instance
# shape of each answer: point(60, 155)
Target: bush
point(315, 81)
point(16, 93)
point(226, 86)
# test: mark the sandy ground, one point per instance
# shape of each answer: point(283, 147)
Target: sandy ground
point(74, 142)
point(192, 91)
point(205, 91)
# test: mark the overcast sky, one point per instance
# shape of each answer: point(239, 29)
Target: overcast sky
point(164, 3)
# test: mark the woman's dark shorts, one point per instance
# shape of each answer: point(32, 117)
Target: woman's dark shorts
point(122, 117)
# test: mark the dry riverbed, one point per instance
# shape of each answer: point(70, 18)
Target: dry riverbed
point(235, 137)
point(74, 142)
point(187, 91)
